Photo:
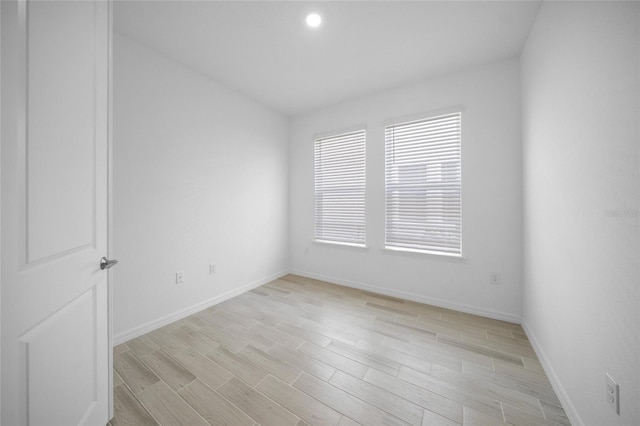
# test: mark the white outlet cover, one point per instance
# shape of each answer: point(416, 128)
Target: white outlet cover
point(613, 394)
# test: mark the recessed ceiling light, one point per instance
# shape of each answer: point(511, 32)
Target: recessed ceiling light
point(314, 20)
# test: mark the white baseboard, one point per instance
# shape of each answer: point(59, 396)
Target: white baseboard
point(178, 315)
point(562, 394)
point(503, 316)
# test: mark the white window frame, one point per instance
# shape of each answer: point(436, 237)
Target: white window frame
point(429, 150)
point(340, 188)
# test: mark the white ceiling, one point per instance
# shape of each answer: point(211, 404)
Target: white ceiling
point(265, 50)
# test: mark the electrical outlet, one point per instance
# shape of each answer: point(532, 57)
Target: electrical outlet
point(179, 277)
point(212, 268)
point(494, 278)
point(613, 394)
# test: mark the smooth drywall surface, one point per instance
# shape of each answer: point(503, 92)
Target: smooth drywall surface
point(6, 132)
point(200, 177)
point(580, 79)
point(491, 195)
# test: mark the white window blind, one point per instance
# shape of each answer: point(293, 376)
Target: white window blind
point(423, 185)
point(340, 188)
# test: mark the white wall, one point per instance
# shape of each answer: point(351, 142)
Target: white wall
point(200, 176)
point(1, 138)
point(492, 203)
point(580, 86)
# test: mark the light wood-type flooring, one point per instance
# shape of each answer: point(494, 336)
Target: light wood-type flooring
point(299, 351)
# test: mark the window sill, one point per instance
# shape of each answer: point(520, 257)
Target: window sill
point(422, 254)
point(343, 245)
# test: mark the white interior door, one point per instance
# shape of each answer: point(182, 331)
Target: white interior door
point(55, 297)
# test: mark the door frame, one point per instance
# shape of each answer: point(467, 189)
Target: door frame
point(0, 212)
point(110, 204)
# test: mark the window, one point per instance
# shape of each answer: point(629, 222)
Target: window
point(423, 206)
point(340, 188)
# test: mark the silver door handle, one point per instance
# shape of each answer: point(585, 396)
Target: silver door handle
point(106, 263)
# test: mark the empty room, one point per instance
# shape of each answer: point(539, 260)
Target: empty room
point(320, 213)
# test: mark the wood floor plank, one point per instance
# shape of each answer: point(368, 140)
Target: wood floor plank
point(481, 349)
point(215, 318)
point(193, 322)
point(299, 279)
point(465, 396)
point(275, 301)
point(259, 292)
point(134, 373)
point(290, 302)
point(270, 364)
point(515, 416)
point(510, 340)
point(440, 350)
point(378, 397)
point(247, 335)
point(288, 285)
point(204, 368)
point(415, 307)
point(169, 370)
point(474, 417)
point(300, 404)
point(447, 328)
point(403, 327)
point(429, 418)
point(332, 333)
point(363, 333)
point(120, 348)
point(117, 380)
point(167, 407)
point(193, 339)
point(239, 367)
point(533, 365)
point(167, 341)
point(256, 405)
point(277, 336)
point(378, 327)
point(333, 359)
point(169, 327)
point(273, 286)
point(346, 421)
point(303, 362)
point(398, 311)
point(488, 390)
point(423, 397)
point(555, 413)
point(142, 345)
point(522, 373)
point(380, 297)
point(212, 406)
point(511, 383)
point(429, 353)
point(305, 335)
point(417, 360)
point(344, 402)
point(128, 410)
point(439, 309)
point(365, 357)
point(517, 350)
point(255, 311)
point(224, 339)
point(518, 333)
